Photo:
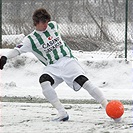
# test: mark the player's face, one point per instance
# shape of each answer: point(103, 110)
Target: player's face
point(41, 26)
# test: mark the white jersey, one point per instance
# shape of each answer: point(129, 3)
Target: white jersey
point(47, 45)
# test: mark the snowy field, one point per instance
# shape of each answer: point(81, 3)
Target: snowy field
point(20, 79)
point(20, 76)
point(84, 118)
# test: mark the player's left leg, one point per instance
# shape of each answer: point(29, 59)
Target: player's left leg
point(94, 91)
point(46, 82)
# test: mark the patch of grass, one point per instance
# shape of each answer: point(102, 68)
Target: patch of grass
point(30, 99)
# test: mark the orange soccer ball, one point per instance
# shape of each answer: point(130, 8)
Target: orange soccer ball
point(115, 109)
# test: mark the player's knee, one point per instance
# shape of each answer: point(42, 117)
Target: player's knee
point(81, 80)
point(46, 77)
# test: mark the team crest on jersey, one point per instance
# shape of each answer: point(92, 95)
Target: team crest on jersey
point(50, 38)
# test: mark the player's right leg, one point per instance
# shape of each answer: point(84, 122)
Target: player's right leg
point(46, 82)
point(94, 91)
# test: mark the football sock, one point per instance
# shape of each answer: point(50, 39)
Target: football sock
point(51, 96)
point(104, 103)
point(95, 93)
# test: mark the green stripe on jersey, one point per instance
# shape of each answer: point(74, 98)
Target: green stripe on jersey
point(51, 25)
point(34, 47)
point(39, 38)
point(69, 50)
point(63, 51)
point(49, 57)
point(36, 50)
point(55, 54)
point(46, 33)
point(56, 33)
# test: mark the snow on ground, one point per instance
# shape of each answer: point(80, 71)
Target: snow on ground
point(113, 76)
point(20, 78)
point(84, 118)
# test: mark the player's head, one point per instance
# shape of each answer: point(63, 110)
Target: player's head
point(40, 15)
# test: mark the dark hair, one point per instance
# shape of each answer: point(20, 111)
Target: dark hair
point(40, 15)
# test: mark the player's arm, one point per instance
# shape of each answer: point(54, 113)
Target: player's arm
point(13, 53)
point(22, 48)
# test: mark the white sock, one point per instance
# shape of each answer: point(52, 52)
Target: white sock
point(95, 93)
point(104, 103)
point(51, 96)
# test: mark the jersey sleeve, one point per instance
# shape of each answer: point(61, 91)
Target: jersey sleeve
point(25, 46)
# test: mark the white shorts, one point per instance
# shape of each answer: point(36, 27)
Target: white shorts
point(65, 69)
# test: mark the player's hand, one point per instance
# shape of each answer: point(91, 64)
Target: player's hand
point(3, 60)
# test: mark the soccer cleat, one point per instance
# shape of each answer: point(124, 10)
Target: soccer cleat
point(61, 118)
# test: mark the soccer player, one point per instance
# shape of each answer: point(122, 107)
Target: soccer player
point(46, 44)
